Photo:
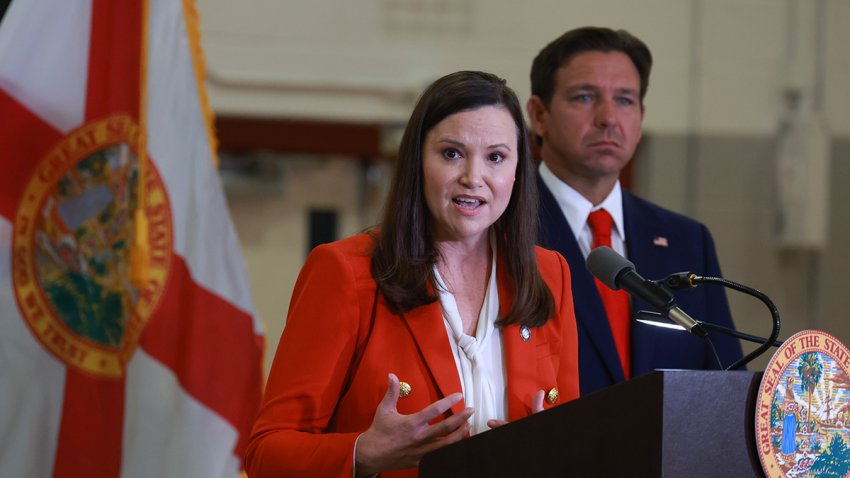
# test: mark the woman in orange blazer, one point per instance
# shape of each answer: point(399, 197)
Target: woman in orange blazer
point(444, 322)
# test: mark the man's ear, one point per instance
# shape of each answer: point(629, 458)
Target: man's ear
point(537, 114)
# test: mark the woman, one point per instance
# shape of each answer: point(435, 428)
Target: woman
point(789, 425)
point(444, 322)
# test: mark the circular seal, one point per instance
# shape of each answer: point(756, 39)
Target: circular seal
point(72, 241)
point(803, 408)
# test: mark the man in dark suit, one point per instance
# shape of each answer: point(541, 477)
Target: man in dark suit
point(587, 110)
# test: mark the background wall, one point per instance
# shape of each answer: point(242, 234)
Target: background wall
point(747, 126)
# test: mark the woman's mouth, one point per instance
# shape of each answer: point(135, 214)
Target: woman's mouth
point(467, 202)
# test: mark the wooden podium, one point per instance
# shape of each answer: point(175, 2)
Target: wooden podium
point(668, 423)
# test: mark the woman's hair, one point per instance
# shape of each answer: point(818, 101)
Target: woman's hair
point(404, 254)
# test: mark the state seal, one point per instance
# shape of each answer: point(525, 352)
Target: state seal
point(72, 236)
point(803, 408)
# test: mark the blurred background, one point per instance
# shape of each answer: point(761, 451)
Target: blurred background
point(747, 126)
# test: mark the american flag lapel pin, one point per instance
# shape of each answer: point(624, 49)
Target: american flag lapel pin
point(660, 241)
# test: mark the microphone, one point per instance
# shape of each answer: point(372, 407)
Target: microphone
point(617, 273)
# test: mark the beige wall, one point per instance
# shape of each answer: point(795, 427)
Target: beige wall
point(717, 114)
point(721, 65)
point(271, 217)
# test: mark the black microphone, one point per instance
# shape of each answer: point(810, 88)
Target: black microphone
point(616, 272)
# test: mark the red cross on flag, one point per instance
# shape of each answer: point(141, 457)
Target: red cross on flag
point(128, 343)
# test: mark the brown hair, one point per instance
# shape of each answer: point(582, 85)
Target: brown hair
point(585, 39)
point(404, 253)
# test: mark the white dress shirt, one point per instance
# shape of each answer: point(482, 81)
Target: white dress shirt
point(576, 208)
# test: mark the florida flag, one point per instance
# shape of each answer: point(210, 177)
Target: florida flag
point(128, 345)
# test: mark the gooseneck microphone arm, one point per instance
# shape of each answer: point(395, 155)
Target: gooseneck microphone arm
point(657, 318)
point(686, 279)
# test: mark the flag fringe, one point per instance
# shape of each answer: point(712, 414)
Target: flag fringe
point(193, 30)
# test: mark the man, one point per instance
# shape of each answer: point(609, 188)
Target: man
point(587, 110)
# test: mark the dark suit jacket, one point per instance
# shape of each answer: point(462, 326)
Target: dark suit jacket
point(319, 399)
point(689, 248)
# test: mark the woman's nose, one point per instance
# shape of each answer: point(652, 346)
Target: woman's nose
point(471, 176)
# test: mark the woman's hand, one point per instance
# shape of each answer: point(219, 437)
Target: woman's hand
point(536, 406)
point(396, 441)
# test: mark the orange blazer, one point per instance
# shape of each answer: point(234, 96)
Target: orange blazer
point(317, 402)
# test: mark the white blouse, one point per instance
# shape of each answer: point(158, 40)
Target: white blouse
point(479, 359)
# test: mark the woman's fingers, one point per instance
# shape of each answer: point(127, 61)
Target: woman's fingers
point(536, 406)
point(496, 423)
point(390, 400)
point(537, 402)
point(455, 436)
point(439, 407)
point(449, 425)
point(399, 441)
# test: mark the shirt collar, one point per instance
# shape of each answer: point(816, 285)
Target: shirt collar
point(576, 207)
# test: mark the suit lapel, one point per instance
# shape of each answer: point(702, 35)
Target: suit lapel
point(426, 326)
point(520, 358)
point(642, 229)
point(590, 313)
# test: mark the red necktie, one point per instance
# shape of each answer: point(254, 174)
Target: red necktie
point(616, 302)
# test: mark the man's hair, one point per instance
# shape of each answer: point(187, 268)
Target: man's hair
point(404, 254)
point(559, 51)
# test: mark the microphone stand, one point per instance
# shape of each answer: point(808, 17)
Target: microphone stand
point(657, 318)
point(683, 280)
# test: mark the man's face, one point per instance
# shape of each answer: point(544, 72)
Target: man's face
point(592, 124)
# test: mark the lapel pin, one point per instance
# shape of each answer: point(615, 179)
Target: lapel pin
point(525, 333)
point(660, 241)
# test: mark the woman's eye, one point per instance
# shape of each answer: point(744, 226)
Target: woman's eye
point(496, 157)
point(451, 154)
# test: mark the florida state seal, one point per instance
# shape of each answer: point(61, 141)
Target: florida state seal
point(73, 232)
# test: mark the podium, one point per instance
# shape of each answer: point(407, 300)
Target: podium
point(668, 423)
